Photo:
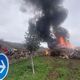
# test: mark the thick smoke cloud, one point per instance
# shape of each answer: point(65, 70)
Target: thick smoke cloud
point(53, 14)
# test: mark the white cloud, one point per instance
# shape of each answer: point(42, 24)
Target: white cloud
point(13, 23)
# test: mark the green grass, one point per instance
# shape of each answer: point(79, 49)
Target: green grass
point(46, 68)
point(23, 71)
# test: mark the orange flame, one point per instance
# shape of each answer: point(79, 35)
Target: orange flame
point(65, 43)
point(62, 41)
point(46, 52)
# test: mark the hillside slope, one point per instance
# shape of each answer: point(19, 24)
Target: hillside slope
point(11, 44)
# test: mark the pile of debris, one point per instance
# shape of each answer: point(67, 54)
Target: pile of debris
point(66, 52)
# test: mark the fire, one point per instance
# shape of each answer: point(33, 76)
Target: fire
point(65, 43)
point(62, 41)
point(46, 52)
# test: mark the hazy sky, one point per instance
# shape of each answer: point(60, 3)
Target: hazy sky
point(14, 23)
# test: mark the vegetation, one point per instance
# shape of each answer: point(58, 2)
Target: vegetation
point(11, 44)
point(23, 71)
point(32, 41)
point(47, 68)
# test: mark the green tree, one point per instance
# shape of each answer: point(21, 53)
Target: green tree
point(32, 41)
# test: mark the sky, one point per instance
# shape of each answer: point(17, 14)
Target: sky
point(14, 22)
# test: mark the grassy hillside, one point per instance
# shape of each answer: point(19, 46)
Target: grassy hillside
point(11, 44)
point(47, 68)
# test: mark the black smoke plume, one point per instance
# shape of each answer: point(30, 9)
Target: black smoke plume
point(53, 14)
